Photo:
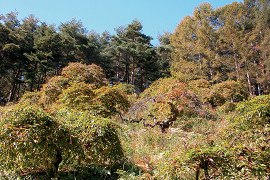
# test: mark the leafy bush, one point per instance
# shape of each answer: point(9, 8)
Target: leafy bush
point(128, 89)
point(110, 101)
point(227, 107)
point(97, 135)
point(30, 98)
point(249, 134)
point(201, 88)
point(31, 139)
point(166, 99)
point(85, 73)
point(227, 91)
point(53, 88)
point(78, 95)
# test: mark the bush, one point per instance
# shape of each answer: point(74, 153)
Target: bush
point(78, 95)
point(91, 74)
point(32, 140)
point(201, 88)
point(30, 98)
point(167, 98)
point(97, 135)
point(52, 90)
point(227, 91)
point(110, 101)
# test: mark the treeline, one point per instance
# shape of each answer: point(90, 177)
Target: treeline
point(227, 43)
point(32, 51)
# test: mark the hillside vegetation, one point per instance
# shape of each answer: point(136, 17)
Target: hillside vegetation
point(79, 105)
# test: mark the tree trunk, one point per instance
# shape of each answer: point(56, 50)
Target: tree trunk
point(142, 81)
point(33, 78)
point(197, 173)
point(235, 62)
point(200, 60)
point(206, 174)
point(133, 72)
point(211, 73)
point(127, 71)
point(118, 68)
point(58, 159)
point(248, 78)
point(14, 87)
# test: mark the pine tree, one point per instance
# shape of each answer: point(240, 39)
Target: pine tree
point(132, 54)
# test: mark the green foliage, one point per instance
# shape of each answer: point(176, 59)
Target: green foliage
point(125, 88)
point(79, 72)
point(110, 101)
point(201, 88)
point(254, 113)
point(72, 131)
point(30, 98)
point(214, 44)
point(97, 135)
point(217, 57)
point(249, 135)
point(157, 98)
point(78, 95)
point(227, 107)
point(53, 88)
point(31, 139)
point(227, 91)
point(81, 93)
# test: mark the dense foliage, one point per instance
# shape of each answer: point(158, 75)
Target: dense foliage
point(31, 52)
point(64, 125)
point(224, 43)
point(195, 107)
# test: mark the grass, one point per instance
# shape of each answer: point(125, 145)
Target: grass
point(151, 150)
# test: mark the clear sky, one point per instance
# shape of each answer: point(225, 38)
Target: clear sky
point(156, 16)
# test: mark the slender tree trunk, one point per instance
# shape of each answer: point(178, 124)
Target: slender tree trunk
point(248, 78)
point(19, 90)
point(127, 70)
point(33, 78)
point(12, 92)
point(14, 87)
point(118, 68)
point(142, 80)
point(211, 73)
point(200, 60)
point(53, 171)
point(197, 173)
point(133, 72)
point(206, 174)
point(235, 62)
point(262, 67)
point(39, 81)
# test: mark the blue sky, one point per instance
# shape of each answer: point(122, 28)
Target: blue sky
point(156, 16)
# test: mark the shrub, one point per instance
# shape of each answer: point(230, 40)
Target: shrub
point(227, 91)
point(32, 140)
point(167, 98)
point(30, 98)
point(91, 74)
point(110, 101)
point(97, 135)
point(201, 88)
point(52, 90)
point(78, 95)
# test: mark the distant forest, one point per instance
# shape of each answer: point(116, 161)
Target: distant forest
point(227, 43)
point(32, 51)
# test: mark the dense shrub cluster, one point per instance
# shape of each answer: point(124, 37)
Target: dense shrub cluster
point(65, 125)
